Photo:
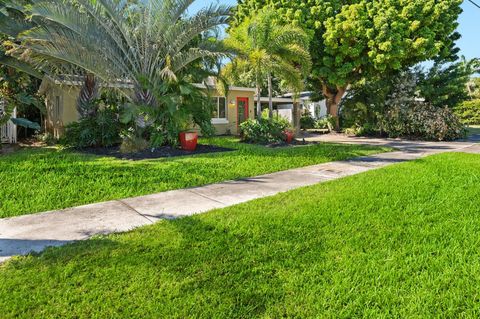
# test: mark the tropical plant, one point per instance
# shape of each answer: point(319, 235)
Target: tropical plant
point(473, 88)
point(469, 112)
point(146, 45)
point(397, 111)
point(264, 130)
point(103, 130)
point(445, 84)
point(355, 39)
point(268, 48)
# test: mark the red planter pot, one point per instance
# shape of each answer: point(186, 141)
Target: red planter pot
point(289, 135)
point(188, 141)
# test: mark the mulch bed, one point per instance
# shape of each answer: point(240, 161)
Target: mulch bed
point(161, 152)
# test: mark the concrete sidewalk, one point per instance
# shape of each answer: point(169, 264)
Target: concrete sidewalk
point(24, 234)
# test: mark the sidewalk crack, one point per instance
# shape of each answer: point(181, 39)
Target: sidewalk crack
point(134, 210)
point(204, 196)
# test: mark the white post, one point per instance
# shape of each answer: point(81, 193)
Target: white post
point(13, 128)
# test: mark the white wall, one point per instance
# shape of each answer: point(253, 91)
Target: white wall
point(317, 109)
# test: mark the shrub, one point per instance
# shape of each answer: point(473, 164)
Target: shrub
point(131, 143)
point(423, 120)
point(327, 122)
point(46, 138)
point(264, 131)
point(391, 108)
point(101, 130)
point(469, 112)
point(307, 121)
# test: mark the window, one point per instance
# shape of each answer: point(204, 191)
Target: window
point(220, 107)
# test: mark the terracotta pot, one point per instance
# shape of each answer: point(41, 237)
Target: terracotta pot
point(289, 135)
point(188, 141)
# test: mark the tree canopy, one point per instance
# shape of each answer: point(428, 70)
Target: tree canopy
point(355, 39)
point(267, 48)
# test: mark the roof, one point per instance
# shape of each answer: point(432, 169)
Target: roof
point(77, 80)
point(231, 88)
point(275, 100)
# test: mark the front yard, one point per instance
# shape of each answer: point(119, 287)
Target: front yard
point(46, 179)
point(400, 242)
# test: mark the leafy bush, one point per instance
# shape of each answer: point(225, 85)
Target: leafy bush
point(390, 107)
point(46, 138)
point(101, 130)
point(423, 120)
point(469, 112)
point(264, 131)
point(307, 121)
point(326, 122)
point(179, 106)
point(132, 143)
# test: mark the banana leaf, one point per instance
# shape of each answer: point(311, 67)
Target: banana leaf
point(26, 123)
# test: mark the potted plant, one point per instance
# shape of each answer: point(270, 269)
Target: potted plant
point(188, 140)
point(188, 137)
point(289, 135)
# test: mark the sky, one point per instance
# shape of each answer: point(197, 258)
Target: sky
point(469, 25)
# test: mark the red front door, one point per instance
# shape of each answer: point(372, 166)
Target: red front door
point(242, 110)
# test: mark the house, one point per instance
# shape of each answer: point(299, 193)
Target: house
point(283, 105)
point(8, 131)
point(61, 97)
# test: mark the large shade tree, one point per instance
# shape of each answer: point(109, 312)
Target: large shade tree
point(267, 48)
point(354, 39)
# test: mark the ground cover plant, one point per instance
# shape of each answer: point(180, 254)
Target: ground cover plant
point(44, 179)
point(396, 242)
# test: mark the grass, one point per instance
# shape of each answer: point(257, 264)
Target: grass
point(473, 130)
point(399, 242)
point(38, 180)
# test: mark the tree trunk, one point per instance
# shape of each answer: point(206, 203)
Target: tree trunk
point(270, 97)
point(333, 98)
point(296, 117)
point(88, 94)
point(259, 102)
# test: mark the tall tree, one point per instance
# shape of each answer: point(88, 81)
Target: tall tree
point(354, 39)
point(269, 49)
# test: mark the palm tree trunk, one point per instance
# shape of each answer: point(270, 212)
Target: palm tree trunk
point(88, 94)
point(259, 102)
point(270, 97)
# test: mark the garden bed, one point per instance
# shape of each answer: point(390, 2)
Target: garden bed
point(161, 152)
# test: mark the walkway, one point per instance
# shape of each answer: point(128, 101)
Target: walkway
point(21, 235)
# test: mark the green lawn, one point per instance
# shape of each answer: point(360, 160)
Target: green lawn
point(45, 179)
point(399, 242)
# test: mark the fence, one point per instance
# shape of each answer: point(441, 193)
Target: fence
point(8, 131)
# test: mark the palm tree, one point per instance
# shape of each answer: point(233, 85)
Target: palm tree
point(268, 48)
point(146, 43)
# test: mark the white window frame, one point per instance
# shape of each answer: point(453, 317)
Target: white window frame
point(220, 120)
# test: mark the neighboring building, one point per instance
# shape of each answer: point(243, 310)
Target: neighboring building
point(61, 98)
point(283, 106)
point(8, 131)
